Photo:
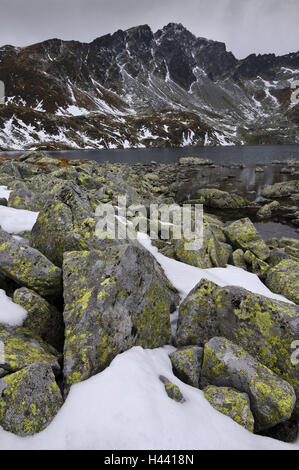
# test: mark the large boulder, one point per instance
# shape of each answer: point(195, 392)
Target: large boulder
point(29, 400)
point(231, 403)
point(23, 348)
point(114, 299)
point(28, 267)
point(42, 318)
point(283, 279)
point(284, 189)
point(266, 328)
point(243, 234)
point(226, 364)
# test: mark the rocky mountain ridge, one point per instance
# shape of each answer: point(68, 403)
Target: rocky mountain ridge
point(137, 88)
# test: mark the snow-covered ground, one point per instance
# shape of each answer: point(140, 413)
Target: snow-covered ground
point(125, 406)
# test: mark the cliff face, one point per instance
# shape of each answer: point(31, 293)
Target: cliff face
point(137, 88)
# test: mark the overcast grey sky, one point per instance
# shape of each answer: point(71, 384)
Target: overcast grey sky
point(246, 26)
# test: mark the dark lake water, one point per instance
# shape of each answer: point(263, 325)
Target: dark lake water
point(249, 155)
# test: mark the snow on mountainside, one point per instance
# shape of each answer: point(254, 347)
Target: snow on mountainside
point(137, 88)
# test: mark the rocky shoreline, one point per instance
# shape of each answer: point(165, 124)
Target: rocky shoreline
point(88, 300)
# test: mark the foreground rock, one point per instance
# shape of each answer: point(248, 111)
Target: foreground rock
point(186, 364)
point(264, 327)
point(225, 364)
point(43, 318)
point(284, 279)
point(214, 252)
point(28, 267)
point(29, 400)
point(243, 234)
point(114, 299)
point(22, 348)
point(231, 403)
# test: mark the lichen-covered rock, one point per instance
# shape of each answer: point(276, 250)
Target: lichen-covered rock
point(266, 328)
point(22, 348)
point(243, 234)
point(28, 267)
point(186, 364)
point(196, 321)
point(23, 198)
point(43, 318)
point(214, 198)
point(65, 224)
point(291, 246)
point(238, 259)
point(231, 403)
point(281, 189)
point(284, 279)
point(195, 161)
point(226, 364)
point(29, 400)
point(286, 431)
point(114, 299)
point(172, 390)
point(267, 210)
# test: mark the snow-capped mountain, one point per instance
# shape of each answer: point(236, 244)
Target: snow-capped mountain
point(137, 88)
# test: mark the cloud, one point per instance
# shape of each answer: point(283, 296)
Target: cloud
point(246, 26)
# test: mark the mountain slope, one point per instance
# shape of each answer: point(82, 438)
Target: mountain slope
point(137, 88)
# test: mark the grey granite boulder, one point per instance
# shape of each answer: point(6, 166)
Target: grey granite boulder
point(114, 299)
point(30, 399)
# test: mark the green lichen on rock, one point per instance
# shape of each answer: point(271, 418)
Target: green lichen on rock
point(257, 266)
point(214, 198)
point(172, 390)
point(238, 259)
point(29, 400)
point(264, 327)
point(114, 299)
point(196, 321)
point(28, 267)
point(42, 318)
point(211, 252)
point(243, 234)
point(226, 364)
point(283, 279)
point(231, 403)
point(267, 210)
point(186, 364)
point(284, 189)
